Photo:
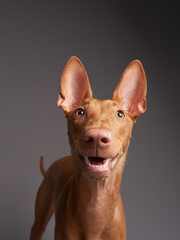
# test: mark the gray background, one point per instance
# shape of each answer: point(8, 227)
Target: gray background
point(36, 40)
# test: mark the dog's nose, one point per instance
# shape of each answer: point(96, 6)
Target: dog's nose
point(97, 137)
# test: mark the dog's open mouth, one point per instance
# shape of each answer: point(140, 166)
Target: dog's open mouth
point(99, 164)
point(97, 161)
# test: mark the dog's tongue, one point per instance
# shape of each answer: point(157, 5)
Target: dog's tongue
point(96, 160)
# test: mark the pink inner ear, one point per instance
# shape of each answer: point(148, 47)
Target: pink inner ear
point(74, 85)
point(131, 90)
point(75, 88)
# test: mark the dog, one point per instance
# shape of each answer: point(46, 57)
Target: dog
point(84, 189)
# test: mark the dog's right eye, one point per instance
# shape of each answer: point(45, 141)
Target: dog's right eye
point(79, 112)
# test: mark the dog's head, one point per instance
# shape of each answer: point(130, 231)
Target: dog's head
point(99, 130)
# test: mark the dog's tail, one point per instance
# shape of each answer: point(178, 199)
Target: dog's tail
point(43, 171)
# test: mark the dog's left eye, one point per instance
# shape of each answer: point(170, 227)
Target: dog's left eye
point(120, 114)
point(79, 112)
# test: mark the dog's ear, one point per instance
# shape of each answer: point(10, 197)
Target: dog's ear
point(74, 86)
point(131, 90)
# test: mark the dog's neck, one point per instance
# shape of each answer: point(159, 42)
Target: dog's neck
point(97, 198)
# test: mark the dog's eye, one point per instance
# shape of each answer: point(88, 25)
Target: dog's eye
point(120, 114)
point(79, 112)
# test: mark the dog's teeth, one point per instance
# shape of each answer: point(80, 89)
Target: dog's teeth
point(107, 161)
point(87, 161)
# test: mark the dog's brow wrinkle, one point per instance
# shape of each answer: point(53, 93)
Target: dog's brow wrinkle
point(115, 104)
point(86, 102)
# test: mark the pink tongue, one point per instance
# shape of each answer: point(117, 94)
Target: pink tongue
point(97, 160)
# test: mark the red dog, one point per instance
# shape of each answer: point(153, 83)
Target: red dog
point(83, 189)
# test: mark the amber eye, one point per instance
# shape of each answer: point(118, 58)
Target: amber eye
point(79, 112)
point(120, 114)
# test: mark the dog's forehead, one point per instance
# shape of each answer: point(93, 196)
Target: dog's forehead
point(100, 104)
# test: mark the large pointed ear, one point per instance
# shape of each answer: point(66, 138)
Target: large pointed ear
point(131, 90)
point(74, 86)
